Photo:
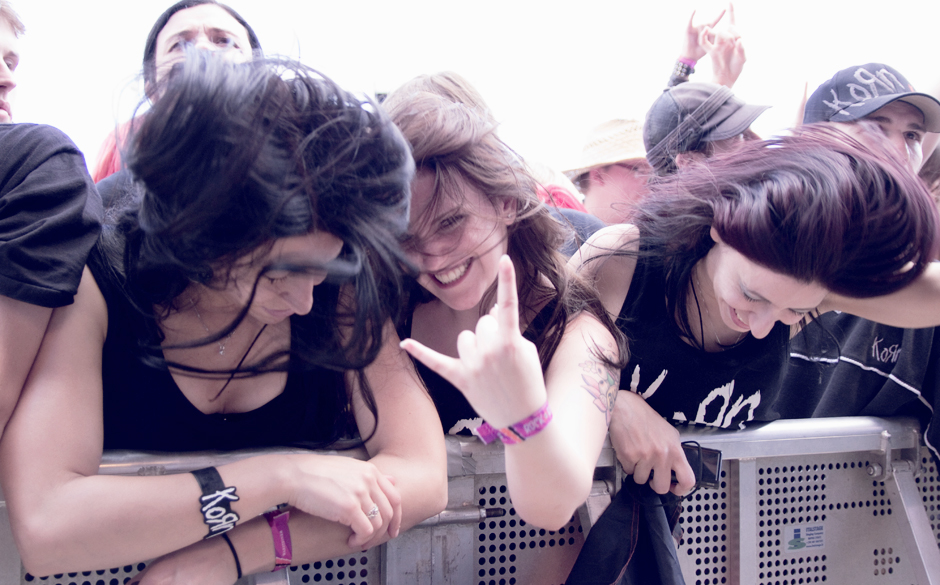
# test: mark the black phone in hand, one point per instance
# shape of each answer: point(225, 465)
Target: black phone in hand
point(705, 463)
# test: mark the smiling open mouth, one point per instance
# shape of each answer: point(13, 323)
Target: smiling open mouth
point(452, 274)
point(737, 319)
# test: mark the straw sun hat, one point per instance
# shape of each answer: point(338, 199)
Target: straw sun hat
point(611, 142)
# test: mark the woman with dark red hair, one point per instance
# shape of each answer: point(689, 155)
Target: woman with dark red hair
point(726, 262)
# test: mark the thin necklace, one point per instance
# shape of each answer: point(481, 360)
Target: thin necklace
point(206, 327)
point(231, 376)
point(708, 316)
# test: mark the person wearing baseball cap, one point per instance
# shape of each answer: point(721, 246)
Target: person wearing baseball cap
point(693, 121)
point(613, 171)
point(879, 93)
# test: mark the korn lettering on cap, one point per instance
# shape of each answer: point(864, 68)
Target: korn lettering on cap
point(858, 91)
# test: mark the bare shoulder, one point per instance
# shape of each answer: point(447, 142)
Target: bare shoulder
point(608, 260)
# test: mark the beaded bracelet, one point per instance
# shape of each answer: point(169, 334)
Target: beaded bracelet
point(516, 433)
point(280, 530)
point(684, 68)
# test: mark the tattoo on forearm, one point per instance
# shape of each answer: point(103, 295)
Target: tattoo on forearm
point(602, 382)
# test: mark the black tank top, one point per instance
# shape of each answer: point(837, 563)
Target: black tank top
point(685, 384)
point(144, 409)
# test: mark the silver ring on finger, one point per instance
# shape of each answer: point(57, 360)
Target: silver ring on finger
point(373, 512)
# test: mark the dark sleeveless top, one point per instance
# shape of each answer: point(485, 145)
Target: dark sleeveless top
point(838, 365)
point(144, 409)
point(685, 384)
point(451, 405)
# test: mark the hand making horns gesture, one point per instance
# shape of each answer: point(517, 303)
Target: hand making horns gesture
point(498, 369)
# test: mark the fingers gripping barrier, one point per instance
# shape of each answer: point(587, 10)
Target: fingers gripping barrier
point(840, 500)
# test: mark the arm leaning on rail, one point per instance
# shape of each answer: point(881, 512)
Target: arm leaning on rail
point(549, 474)
point(65, 517)
point(644, 441)
point(404, 447)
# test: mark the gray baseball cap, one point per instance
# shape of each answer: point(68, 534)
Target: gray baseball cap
point(687, 115)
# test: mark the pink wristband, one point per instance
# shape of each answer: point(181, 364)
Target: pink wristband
point(516, 433)
point(280, 530)
point(687, 61)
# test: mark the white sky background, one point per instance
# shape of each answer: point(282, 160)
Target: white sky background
point(549, 70)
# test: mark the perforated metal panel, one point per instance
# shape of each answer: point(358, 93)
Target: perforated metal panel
point(358, 569)
point(115, 576)
point(703, 549)
point(792, 496)
point(795, 518)
point(928, 482)
point(511, 552)
point(819, 519)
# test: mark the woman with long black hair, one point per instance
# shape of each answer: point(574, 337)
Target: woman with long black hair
point(240, 296)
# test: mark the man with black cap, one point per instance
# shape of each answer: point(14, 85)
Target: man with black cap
point(693, 121)
point(840, 364)
point(880, 94)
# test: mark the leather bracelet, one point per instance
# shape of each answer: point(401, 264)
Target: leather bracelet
point(518, 432)
point(215, 504)
point(280, 531)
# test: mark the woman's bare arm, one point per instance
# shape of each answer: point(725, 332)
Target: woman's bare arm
point(408, 444)
point(65, 517)
point(644, 441)
point(916, 305)
point(407, 447)
point(550, 474)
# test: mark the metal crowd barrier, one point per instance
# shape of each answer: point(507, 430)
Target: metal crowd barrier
point(838, 500)
point(831, 500)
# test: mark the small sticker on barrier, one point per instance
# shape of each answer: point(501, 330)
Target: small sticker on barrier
point(805, 537)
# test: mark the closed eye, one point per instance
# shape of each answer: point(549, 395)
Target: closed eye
point(451, 221)
point(226, 41)
point(275, 276)
point(179, 45)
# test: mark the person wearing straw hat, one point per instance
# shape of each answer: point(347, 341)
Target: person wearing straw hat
point(613, 170)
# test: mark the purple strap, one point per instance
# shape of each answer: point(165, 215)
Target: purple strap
point(280, 530)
